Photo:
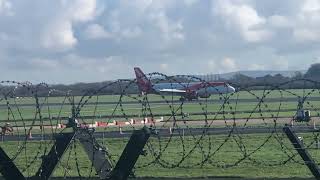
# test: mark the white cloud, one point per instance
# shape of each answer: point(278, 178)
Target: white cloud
point(59, 36)
point(304, 34)
point(100, 65)
point(80, 10)
point(110, 65)
point(308, 22)
point(224, 65)
point(127, 20)
point(6, 8)
point(190, 2)
point(310, 5)
point(255, 66)
point(164, 66)
point(39, 63)
point(170, 30)
point(211, 64)
point(228, 64)
point(87, 39)
point(279, 64)
point(96, 31)
point(73, 68)
point(4, 36)
point(138, 5)
point(131, 33)
point(278, 21)
point(113, 64)
point(49, 25)
point(244, 18)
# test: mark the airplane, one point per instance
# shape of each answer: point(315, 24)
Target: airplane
point(189, 91)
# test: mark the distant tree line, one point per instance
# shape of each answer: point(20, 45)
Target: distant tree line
point(269, 81)
point(130, 87)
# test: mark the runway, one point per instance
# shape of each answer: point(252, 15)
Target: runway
point(166, 132)
point(167, 101)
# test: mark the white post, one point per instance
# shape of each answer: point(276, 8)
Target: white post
point(30, 135)
point(183, 134)
point(103, 137)
point(120, 130)
point(42, 133)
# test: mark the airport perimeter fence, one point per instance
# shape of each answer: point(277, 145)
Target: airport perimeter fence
point(268, 133)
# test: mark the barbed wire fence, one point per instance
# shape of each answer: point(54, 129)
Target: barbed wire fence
point(224, 131)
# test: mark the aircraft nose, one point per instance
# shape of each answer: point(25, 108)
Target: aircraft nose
point(231, 89)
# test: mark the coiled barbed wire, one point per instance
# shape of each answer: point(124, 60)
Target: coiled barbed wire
point(193, 124)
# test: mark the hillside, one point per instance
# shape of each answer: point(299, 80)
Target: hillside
point(253, 74)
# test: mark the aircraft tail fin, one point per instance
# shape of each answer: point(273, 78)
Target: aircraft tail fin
point(144, 84)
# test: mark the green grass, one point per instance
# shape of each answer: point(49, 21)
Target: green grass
point(17, 113)
point(132, 97)
point(270, 154)
point(264, 161)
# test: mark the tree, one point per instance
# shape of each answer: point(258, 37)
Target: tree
point(313, 72)
point(297, 75)
point(240, 78)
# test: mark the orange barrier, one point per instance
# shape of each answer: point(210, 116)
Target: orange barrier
point(102, 124)
point(119, 123)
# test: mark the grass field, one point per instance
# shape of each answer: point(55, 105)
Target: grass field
point(266, 161)
point(237, 155)
point(229, 106)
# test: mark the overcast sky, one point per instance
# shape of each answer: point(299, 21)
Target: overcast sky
point(68, 41)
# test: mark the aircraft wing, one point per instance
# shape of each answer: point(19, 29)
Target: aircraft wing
point(175, 91)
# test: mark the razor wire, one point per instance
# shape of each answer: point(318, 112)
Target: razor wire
point(187, 128)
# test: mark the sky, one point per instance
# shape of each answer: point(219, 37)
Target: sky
point(69, 41)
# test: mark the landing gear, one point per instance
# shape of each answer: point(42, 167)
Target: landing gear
point(302, 115)
point(190, 99)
